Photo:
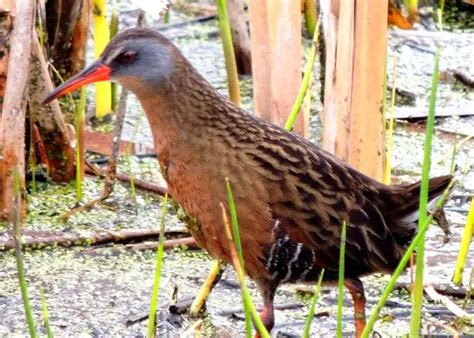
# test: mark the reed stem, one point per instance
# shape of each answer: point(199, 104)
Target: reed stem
point(229, 54)
point(238, 262)
point(415, 322)
point(464, 248)
point(19, 256)
point(159, 263)
point(305, 83)
point(314, 300)
point(340, 283)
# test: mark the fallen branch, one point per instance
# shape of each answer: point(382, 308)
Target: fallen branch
point(450, 329)
point(463, 77)
point(453, 75)
point(169, 244)
point(455, 309)
point(39, 240)
point(141, 184)
point(446, 290)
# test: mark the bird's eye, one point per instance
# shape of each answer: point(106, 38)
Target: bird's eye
point(127, 57)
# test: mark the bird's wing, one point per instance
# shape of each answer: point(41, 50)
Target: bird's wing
point(310, 195)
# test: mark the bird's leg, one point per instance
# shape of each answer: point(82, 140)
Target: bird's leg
point(212, 279)
point(267, 315)
point(356, 289)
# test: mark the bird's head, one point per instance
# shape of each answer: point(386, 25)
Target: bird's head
point(139, 59)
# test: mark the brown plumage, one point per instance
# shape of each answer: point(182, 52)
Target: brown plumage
point(291, 196)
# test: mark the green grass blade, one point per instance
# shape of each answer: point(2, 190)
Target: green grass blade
point(159, 263)
point(19, 257)
point(388, 162)
point(314, 300)
point(249, 308)
point(79, 120)
point(311, 16)
point(420, 254)
point(401, 266)
point(412, 8)
point(113, 28)
point(340, 282)
point(234, 220)
point(464, 248)
point(304, 83)
point(238, 247)
point(47, 326)
point(229, 54)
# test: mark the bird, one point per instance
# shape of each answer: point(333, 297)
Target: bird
point(291, 196)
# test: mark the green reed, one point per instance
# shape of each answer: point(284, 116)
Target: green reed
point(249, 308)
point(19, 256)
point(415, 322)
point(79, 121)
point(44, 306)
point(305, 83)
point(314, 300)
point(159, 263)
point(340, 281)
point(464, 247)
point(229, 54)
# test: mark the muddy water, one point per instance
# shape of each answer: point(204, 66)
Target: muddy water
point(96, 291)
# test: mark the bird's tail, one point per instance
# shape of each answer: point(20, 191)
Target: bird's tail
point(402, 211)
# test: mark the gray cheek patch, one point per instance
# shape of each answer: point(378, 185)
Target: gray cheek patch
point(156, 65)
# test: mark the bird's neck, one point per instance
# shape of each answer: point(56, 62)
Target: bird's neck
point(184, 111)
